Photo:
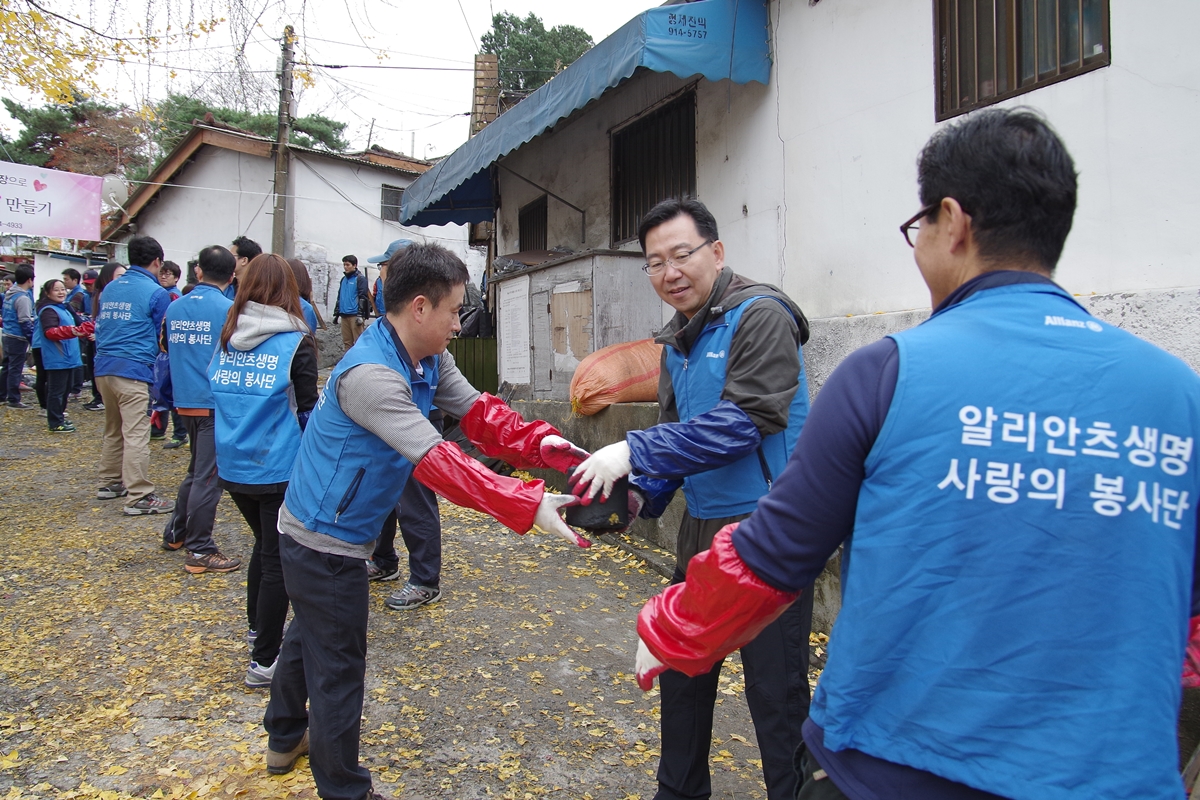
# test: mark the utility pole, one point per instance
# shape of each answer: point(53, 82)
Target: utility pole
point(370, 133)
point(279, 220)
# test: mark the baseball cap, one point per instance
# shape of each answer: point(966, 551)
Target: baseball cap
point(399, 244)
point(89, 276)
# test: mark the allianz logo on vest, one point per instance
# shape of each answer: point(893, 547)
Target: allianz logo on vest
point(718, 354)
point(1063, 322)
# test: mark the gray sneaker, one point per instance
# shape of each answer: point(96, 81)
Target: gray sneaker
point(150, 504)
point(378, 573)
point(412, 596)
point(112, 491)
point(260, 677)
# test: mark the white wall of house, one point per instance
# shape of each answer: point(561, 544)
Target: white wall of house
point(810, 177)
point(335, 211)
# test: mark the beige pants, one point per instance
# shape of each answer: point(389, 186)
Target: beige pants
point(352, 328)
point(125, 448)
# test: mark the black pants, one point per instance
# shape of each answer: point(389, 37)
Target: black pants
point(323, 662)
point(196, 501)
point(266, 595)
point(178, 430)
point(421, 528)
point(776, 669)
point(15, 350)
point(89, 367)
point(58, 388)
point(39, 383)
point(813, 788)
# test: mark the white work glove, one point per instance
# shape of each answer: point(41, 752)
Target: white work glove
point(647, 666)
point(601, 470)
point(549, 520)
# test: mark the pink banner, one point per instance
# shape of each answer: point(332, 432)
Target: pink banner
point(46, 202)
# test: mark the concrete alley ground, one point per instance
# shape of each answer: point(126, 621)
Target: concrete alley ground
point(121, 674)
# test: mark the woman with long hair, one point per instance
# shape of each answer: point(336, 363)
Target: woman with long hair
point(264, 383)
point(304, 284)
point(56, 335)
point(108, 273)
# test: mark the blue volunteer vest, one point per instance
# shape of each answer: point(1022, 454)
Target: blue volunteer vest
point(348, 296)
point(230, 291)
point(1016, 596)
point(255, 427)
point(57, 354)
point(698, 380)
point(126, 341)
point(193, 324)
point(379, 309)
point(310, 316)
point(76, 292)
point(12, 327)
point(346, 478)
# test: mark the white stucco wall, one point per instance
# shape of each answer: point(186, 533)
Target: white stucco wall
point(224, 194)
point(858, 83)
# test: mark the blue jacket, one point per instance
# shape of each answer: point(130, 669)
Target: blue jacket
point(1019, 578)
point(379, 306)
point(256, 429)
point(132, 309)
point(63, 354)
point(347, 479)
point(12, 325)
point(193, 330)
point(230, 290)
point(350, 288)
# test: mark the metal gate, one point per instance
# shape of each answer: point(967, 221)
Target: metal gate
point(476, 359)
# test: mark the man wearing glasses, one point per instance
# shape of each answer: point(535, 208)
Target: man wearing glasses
point(1016, 483)
point(732, 397)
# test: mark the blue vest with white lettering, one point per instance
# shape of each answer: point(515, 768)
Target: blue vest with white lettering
point(11, 326)
point(348, 296)
point(347, 479)
point(194, 324)
point(698, 380)
point(76, 292)
point(255, 426)
point(57, 354)
point(126, 340)
point(1017, 589)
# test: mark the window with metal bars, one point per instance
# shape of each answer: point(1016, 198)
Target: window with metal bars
point(389, 202)
point(532, 222)
point(653, 158)
point(990, 50)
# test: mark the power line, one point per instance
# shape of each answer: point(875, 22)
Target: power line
point(474, 41)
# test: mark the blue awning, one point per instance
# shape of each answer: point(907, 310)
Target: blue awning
point(716, 39)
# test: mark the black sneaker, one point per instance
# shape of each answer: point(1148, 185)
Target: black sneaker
point(20, 406)
point(112, 491)
point(66, 427)
point(94, 406)
point(155, 436)
point(175, 443)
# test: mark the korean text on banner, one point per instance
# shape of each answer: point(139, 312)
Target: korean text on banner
point(45, 202)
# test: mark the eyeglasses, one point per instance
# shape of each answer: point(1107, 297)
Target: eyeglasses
point(914, 223)
point(656, 267)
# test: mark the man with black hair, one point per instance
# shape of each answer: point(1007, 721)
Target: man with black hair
point(131, 314)
point(353, 302)
point(19, 322)
point(1015, 484)
point(367, 437)
point(733, 397)
point(244, 250)
point(191, 334)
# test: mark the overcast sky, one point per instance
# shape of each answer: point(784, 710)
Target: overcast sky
point(414, 111)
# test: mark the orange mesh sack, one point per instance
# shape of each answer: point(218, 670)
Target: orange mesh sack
point(619, 373)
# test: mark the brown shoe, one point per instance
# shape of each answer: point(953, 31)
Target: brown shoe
point(210, 562)
point(283, 763)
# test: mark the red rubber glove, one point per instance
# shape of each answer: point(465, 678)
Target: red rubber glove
point(87, 328)
point(463, 481)
point(720, 607)
point(560, 454)
point(61, 333)
point(500, 432)
point(1191, 661)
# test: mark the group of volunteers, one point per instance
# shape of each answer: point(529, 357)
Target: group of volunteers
point(1013, 486)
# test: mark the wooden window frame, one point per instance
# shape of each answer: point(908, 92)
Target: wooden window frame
point(387, 211)
point(947, 64)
